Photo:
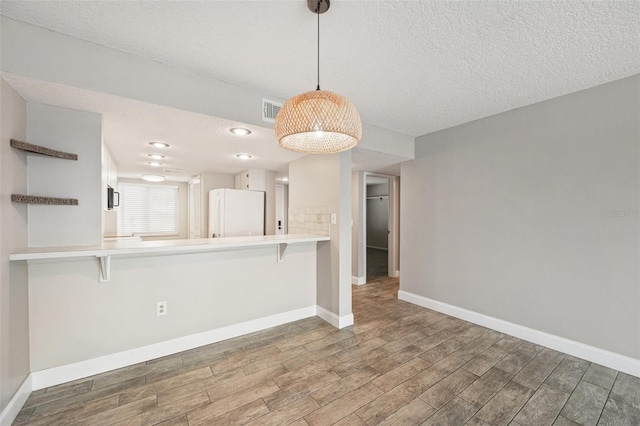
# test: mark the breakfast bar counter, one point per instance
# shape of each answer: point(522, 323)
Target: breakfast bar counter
point(97, 308)
point(142, 248)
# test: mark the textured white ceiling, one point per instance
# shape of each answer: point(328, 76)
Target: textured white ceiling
point(409, 66)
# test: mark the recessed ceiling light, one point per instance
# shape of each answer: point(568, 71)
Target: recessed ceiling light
point(156, 156)
point(243, 156)
point(159, 144)
point(154, 163)
point(153, 178)
point(240, 131)
point(173, 170)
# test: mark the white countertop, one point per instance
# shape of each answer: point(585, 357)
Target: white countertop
point(162, 247)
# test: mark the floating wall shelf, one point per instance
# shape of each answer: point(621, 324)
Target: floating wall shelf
point(32, 199)
point(37, 149)
point(28, 147)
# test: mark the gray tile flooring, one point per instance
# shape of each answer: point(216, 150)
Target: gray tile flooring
point(398, 365)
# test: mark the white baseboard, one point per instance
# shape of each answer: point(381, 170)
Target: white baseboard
point(396, 273)
point(333, 319)
point(16, 403)
point(77, 370)
point(358, 280)
point(590, 353)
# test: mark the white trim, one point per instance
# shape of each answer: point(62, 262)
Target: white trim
point(65, 373)
point(333, 319)
point(379, 248)
point(590, 353)
point(396, 274)
point(16, 403)
point(358, 280)
point(345, 321)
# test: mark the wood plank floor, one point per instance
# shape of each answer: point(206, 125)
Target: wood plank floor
point(399, 364)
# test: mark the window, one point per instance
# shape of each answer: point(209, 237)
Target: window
point(147, 209)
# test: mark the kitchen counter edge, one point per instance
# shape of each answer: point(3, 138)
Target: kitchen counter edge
point(163, 247)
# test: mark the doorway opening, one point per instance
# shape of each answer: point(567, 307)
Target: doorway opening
point(377, 227)
point(378, 249)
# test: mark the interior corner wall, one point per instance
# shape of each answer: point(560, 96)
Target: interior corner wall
point(183, 208)
point(14, 307)
point(80, 133)
point(325, 181)
point(531, 216)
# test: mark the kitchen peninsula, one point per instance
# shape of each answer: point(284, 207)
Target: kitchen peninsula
point(93, 309)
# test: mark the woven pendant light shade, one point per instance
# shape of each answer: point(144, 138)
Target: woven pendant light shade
point(318, 122)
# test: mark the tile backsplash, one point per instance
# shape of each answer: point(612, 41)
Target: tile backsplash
point(309, 220)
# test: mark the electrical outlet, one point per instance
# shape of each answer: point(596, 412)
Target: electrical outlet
point(334, 219)
point(161, 308)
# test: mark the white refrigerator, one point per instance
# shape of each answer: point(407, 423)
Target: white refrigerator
point(235, 213)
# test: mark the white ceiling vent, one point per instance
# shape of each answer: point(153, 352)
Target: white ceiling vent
point(270, 110)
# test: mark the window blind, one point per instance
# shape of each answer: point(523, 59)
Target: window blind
point(147, 209)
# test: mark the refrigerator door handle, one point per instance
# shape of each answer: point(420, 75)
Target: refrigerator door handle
point(219, 222)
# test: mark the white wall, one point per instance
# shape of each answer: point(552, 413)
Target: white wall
point(14, 319)
point(79, 133)
point(203, 291)
point(183, 208)
point(531, 216)
point(54, 57)
point(319, 181)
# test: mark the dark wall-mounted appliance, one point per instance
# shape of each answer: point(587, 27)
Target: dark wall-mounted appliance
point(113, 198)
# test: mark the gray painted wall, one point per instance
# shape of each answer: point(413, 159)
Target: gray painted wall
point(377, 189)
point(14, 309)
point(530, 216)
point(204, 291)
point(77, 132)
point(320, 181)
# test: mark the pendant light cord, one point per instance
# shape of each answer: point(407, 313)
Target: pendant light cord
point(318, 13)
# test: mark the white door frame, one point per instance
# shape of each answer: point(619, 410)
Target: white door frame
point(393, 225)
